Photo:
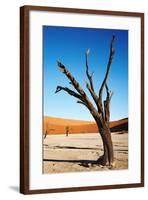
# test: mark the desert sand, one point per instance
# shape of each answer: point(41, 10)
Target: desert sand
point(75, 152)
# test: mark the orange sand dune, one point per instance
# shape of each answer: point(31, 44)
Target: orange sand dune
point(58, 126)
point(62, 121)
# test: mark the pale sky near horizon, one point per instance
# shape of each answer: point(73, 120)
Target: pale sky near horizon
point(69, 45)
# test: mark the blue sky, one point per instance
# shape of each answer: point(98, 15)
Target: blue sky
point(68, 45)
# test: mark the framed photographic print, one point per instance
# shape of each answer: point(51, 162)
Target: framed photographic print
point(82, 99)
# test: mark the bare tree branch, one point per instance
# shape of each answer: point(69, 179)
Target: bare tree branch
point(107, 103)
point(73, 81)
point(81, 102)
point(90, 86)
point(69, 91)
point(82, 95)
point(95, 97)
point(112, 52)
point(87, 71)
point(109, 93)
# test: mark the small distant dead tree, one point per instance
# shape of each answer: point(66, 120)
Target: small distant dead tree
point(67, 130)
point(101, 110)
point(45, 135)
point(46, 132)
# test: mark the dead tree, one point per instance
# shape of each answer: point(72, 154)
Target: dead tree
point(45, 135)
point(67, 130)
point(99, 108)
point(48, 132)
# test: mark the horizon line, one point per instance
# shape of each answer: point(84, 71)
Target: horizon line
point(82, 119)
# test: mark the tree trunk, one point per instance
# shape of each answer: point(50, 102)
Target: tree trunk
point(108, 156)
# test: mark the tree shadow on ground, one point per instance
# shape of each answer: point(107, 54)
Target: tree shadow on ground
point(71, 147)
point(84, 163)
